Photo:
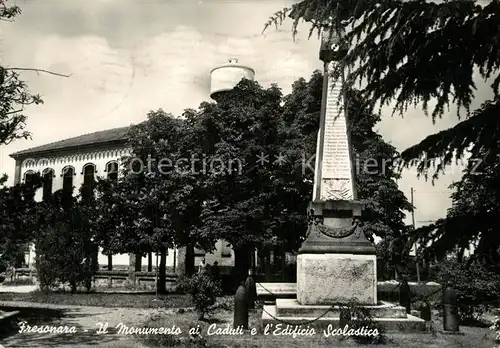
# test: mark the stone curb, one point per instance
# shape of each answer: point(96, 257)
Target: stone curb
point(5, 290)
point(24, 304)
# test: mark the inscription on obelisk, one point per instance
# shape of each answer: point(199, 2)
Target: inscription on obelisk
point(335, 176)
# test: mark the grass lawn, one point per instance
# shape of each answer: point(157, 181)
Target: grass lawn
point(473, 337)
point(101, 299)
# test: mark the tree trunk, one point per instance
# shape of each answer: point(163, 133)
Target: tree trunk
point(73, 286)
point(94, 258)
point(138, 262)
point(242, 263)
point(162, 288)
point(150, 262)
point(180, 268)
point(110, 262)
point(267, 264)
point(189, 261)
point(88, 284)
point(253, 261)
point(460, 254)
point(283, 265)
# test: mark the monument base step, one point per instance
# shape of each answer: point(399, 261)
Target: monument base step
point(291, 313)
point(277, 290)
point(292, 308)
point(274, 290)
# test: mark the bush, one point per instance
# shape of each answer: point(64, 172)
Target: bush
point(204, 291)
point(477, 287)
point(496, 327)
point(357, 317)
point(63, 256)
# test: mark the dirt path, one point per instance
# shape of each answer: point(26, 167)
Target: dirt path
point(85, 322)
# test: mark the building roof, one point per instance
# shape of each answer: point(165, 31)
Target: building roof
point(114, 135)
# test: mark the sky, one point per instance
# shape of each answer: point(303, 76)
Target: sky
point(127, 57)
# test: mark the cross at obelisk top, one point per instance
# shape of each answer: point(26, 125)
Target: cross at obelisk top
point(334, 179)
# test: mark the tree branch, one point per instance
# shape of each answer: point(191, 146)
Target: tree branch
point(13, 112)
point(38, 71)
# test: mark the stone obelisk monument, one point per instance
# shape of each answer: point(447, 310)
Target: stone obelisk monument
point(336, 262)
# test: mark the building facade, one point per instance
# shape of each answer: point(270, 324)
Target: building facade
point(75, 161)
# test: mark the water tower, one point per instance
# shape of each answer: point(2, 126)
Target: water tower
point(225, 77)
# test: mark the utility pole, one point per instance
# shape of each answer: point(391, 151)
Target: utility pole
point(413, 225)
point(427, 222)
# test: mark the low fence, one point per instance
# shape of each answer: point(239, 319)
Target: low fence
point(389, 290)
point(137, 279)
point(102, 277)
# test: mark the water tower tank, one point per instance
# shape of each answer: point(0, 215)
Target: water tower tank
point(226, 77)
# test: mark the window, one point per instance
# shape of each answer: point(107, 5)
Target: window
point(135, 166)
point(112, 171)
point(48, 174)
point(67, 174)
point(88, 181)
point(29, 178)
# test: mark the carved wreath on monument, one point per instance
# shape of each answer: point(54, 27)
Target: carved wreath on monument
point(338, 232)
point(316, 224)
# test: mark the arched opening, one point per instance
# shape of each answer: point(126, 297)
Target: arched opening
point(67, 174)
point(29, 178)
point(88, 181)
point(111, 174)
point(48, 175)
point(88, 172)
point(112, 171)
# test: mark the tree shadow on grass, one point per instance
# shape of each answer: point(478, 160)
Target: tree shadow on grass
point(213, 320)
point(479, 323)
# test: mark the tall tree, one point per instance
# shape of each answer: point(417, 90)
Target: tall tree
point(155, 203)
point(471, 222)
point(391, 43)
point(64, 241)
point(237, 137)
point(18, 223)
point(16, 203)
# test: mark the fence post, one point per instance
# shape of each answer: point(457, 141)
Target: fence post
point(451, 317)
point(425, 311)
point(251, 290)
point(405, 295)
point(241, 308)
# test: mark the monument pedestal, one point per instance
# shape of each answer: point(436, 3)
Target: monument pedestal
point(336, 262)
point(336, 278)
